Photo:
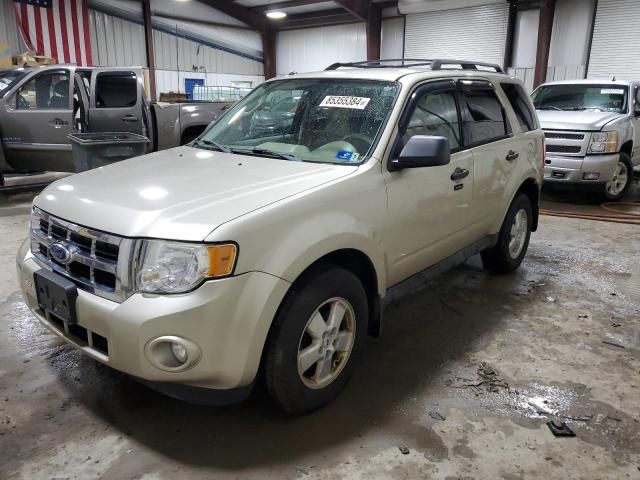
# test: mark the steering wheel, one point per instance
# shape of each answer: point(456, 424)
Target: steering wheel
point(359, 141)
point(23, 104)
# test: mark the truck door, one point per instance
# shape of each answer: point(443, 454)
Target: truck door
point(635, 154)
point(116, 101)
point(36, 120)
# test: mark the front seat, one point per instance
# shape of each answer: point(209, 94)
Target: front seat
point(60, 99)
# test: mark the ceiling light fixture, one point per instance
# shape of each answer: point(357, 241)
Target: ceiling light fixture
point(276, 15)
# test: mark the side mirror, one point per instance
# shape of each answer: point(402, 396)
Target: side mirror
point(422, 151)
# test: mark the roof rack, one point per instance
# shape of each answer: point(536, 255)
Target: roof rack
point(433, 64)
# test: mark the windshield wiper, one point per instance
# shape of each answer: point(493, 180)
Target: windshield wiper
point(210, 143)
point(266, 151)
point(550, 107)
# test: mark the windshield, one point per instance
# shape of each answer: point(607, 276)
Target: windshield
point(7, 79)
point(316, 120)
point(602, 98)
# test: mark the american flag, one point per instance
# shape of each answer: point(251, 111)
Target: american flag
point(56, 28)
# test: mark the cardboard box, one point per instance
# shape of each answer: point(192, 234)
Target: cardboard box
point(5, 55)
point(30, 59)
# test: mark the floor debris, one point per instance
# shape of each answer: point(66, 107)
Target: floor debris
point(560, 429)
point(404, 449)
point(437, 415)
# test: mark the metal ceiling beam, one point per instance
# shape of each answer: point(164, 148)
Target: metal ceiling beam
point(283, 5)
point(317, 19)
point(254, 20)
point(359, 8)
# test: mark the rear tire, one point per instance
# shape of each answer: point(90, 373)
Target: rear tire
point(618, 186)
point(315, 339)
point(513, 239)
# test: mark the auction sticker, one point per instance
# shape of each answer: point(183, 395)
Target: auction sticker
point(612, 91)
point(338, 101)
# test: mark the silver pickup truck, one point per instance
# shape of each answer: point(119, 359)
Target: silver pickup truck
point(592, 131)
point(40, 106)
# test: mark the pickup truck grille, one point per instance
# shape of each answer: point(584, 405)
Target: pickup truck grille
point(563, 148)
point(95, 261)
point(564, 135)
point(567, 144)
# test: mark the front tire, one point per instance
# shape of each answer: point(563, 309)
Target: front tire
point(513, 239)
point(315, 339)
point(617, 187)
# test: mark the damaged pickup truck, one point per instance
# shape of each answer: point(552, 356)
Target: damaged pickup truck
point(592, 131)
point(40, 106)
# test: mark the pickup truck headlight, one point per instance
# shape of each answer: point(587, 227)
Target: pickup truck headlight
point(173, 267)
point(603, 142)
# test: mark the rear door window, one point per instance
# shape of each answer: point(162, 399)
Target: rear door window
point(484, 119)
point(520, 104)
point(116, 90)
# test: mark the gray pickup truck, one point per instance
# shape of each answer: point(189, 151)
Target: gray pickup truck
point(592, 132)
point(40, 106)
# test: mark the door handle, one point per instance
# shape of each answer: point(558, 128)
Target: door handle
point(130, 118)
point(511, 156)
point(459, 173)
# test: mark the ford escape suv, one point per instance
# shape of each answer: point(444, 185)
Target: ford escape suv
point(275, 250)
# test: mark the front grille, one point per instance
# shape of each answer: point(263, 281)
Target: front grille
point(565, 136)
point(96, 261)
point(563, 148)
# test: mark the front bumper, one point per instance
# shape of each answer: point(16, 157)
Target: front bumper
point(559, 169)
point(228, 319)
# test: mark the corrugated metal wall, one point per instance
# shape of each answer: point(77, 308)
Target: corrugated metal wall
point(119, 42)
point(9, 29)
point(116, 42)
point(475, 33)
point(314, 49)
point(616, 37)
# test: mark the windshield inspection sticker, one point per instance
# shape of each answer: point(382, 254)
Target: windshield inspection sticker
point(612, 91)
point(337, 101)
point(347, 156)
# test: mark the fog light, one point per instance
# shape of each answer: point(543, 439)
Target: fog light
point(172, 353)
point(179, 352)
point(590, 176)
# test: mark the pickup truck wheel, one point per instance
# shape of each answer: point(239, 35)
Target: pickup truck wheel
point(315, 340)
point(513, 239)
point(617, 187)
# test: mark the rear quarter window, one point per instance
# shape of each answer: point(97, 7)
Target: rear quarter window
point(519, 101)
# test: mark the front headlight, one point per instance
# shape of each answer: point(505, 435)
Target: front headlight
point(172, 267)
point(603, 142)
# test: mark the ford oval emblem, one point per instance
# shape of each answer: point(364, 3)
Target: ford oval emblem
point(61, 253)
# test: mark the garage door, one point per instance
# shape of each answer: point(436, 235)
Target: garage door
point(472, 33)
point(616, 37)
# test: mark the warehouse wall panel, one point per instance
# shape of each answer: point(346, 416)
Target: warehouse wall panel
point(570, 39)
point(616, 36)
point(392, 43)
point(314, 49)
point(9, 28)
point(472, 33)
point(120, 42)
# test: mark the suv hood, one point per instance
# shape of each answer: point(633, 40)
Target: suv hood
point(578, 120)
point(179, 194)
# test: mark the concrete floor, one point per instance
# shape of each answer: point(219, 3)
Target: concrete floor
point(495, 357)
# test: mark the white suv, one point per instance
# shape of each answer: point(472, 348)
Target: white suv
point(273, 242)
